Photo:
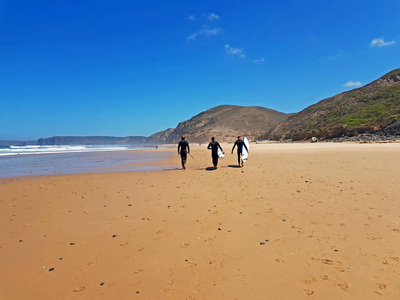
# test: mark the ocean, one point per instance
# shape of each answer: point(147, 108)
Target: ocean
point(36, 149)
point(52, 160)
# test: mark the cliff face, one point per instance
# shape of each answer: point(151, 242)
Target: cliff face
point(369, 109)
point(159, 137)
point(91, 140)
point(224, 123)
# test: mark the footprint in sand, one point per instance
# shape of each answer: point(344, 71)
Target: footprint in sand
point(311, 280)
point(343, 286)
point(79, 289)
point(185, 245)
point(395, 259)
point(327, 261)
point(308, 292)
point(381, 286)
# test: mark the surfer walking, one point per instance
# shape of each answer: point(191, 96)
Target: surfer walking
point(214, 145)
point(239, 143)
point(183, 150)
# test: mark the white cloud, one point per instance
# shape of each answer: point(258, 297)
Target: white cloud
point(260, 60)
point(192, 18)
point(336, 55)
point(213, 17)
point(205, 31)
point(192, 37)
point(352, 84)
point(380, 43)
point(234, 52)
point(209, 32)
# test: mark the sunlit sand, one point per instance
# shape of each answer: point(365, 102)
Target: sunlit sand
point(299, 220)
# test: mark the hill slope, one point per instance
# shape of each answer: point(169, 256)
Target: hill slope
point(372, 108)
point(224, 122)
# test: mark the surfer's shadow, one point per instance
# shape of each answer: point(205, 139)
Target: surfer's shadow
point(234, 166)
point(210, 169)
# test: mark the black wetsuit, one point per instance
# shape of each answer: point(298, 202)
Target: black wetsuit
point(239, 144)
point(214, 151)
point(184, 149)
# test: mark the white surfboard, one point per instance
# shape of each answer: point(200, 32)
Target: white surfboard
point(245, 154)
point(220, 153)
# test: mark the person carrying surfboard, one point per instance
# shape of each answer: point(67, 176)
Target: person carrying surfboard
point(239, 143)
point(214, 145)
point(183, 150)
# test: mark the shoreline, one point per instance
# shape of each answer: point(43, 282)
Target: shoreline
point(322, 219)
point(83, 162)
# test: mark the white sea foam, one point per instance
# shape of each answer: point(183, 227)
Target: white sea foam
point(36, 149)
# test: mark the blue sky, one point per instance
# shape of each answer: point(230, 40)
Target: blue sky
point(122, 68)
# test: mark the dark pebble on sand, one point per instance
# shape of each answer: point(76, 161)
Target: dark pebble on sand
point(129, 204)
point(114, 235)
point(60, 258)
point(51, 269)
point(186, 260)
point(219, 228)
point(284, 220)
point(336, 250)
point(143, 218)
point(102, 283)
point(20, 241)
point(137, 292)
point(267, 240)
point(262, 243)
point(72, 244)
point(126, 216)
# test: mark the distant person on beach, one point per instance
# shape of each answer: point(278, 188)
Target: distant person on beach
point(239, 143)
point(214, 145)
point(183, 150)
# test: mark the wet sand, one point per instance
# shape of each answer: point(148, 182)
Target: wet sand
point(299, 221)
point(82, 162)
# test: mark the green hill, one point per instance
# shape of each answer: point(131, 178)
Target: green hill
point(372, 108)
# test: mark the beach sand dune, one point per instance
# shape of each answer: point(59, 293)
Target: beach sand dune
point(299, 221)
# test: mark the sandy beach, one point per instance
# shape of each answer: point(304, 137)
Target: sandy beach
point(299, 221)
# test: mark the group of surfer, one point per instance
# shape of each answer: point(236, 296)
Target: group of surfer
point(216, 150)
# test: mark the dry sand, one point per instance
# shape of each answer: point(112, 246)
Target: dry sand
point(302, 221)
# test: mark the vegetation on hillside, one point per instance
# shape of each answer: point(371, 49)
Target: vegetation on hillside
point(367, 109)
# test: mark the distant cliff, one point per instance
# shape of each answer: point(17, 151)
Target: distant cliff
point(92, 140)
point(17, 143)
